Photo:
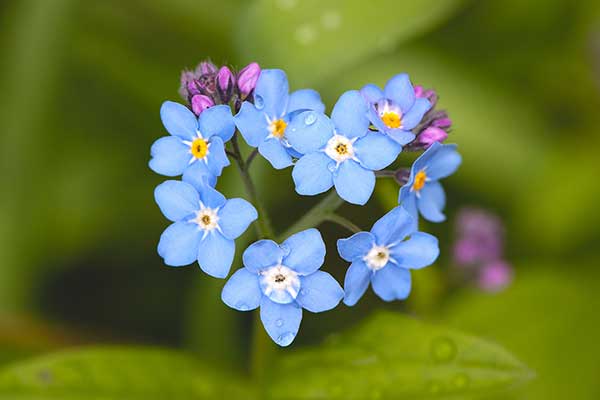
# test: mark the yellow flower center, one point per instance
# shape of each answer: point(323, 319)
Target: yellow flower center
point(199, 148)
point(391, 119)
point(420, 180)
point(278, 128)
point(341, 149)
point(206, 219)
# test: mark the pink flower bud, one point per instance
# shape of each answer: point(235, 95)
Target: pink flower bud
point(225, 79)
point(419, 91)
point(495, 276)
point(443, 123)
point(431, 135)
point(247, 78)
point(200, 103)
point(206, 68)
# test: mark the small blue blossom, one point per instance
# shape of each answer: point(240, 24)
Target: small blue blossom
point(196, 145)
point(204, 228)
point(264, 123)
point(282, 280)
point(395, 110)
point(340, 151)
point(423, 193)
point(385, 256)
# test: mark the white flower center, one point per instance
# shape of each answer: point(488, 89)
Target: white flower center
point(339, 148)
point(207, 218)
point(280, 284)
point(377, 257)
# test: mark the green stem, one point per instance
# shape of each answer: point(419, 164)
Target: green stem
point(319, 213)
point(343, 222)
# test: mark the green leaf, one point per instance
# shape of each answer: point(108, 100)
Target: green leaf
point(395, 357)
point(113, 373)
point(312, 39)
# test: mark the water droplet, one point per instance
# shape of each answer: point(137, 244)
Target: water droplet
point(443, 349)
point(259, 103)
point(286, 4)
point(242, 306)
point(305, 34)
point(279, 322)
point(331, 20)
point(310, 118)
point(285, 338)
point(460, 381)
point(304, 292)
point(286, 249)
point(332, 167)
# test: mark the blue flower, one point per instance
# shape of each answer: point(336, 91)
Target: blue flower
point(196, 145)
point(423, 193)
point(340, 151)
point(204, 227)
point(282, 280)
point(395, 110)
point(264, 123)
point(385, 257)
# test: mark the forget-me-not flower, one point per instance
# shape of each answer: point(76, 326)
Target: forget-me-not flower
point(423, 193)
point(264, 123)
point(395, 110)
point(385, 256)
point(204, 228)
point(196, 145)
point(282, 280)
point(340, 151)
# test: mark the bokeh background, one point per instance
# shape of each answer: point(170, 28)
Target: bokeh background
point(81, 86)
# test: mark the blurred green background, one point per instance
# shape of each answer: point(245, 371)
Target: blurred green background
point(81, 86)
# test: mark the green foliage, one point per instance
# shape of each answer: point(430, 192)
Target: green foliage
point(395, 357)
point(118, 374)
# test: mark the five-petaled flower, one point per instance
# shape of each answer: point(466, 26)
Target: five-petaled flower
point(281, 280)
point(385, 256)
point(196, 145)
point(395, 110)
point(204, 227)
point(264, 124)
point(423, 193)
point(340, 151)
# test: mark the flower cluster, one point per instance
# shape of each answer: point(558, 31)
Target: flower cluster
point(347, 150)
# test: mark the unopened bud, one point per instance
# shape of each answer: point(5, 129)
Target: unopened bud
point(200, 103)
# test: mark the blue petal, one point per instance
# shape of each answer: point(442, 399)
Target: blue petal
point(432, 201)
point(391, 283)
point(273, 150)
point(376, 119)
point(242, 291)
point(218, 121)
point(217, 158)
point(416, 113)
point(198, 176)
point(309, 131)
point(421, 250)
point(281, 321)
point(261, 255)
point(170, 156)
point(271, 93)
point(371, 93)
point(349, 115)
point(176, 199)
point(178, 244)
point(252, 124)
point(211, 197)
point(376, 151)
point(356, 282)
point(305, 99)
point(312, 175)
point(393, 227)
point(178, 120)
point(235, 216)
point(319, 292)
point(400, 91)
point(305, 251)
point(400, 136)
point(354, 183)
point(410, 205)
point(215, 254)
point(444, 162)
point(356, 246)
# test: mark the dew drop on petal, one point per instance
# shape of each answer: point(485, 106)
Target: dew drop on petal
point(285, 338)
point(242, 306)
point(331, 20)
point(310, 118)
point(304, 292)
point(332, 167)
point(305, 34)
point(259, 103)
point(286, 249)
point(279, 322)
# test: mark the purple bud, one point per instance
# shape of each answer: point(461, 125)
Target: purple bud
point(225, 78)
point(247, 78)
point(200, 103)
point(443, 123)
point(419, 91)
point(206, 68)
point(431, 135)
point(187, 79)
point(495, 276)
